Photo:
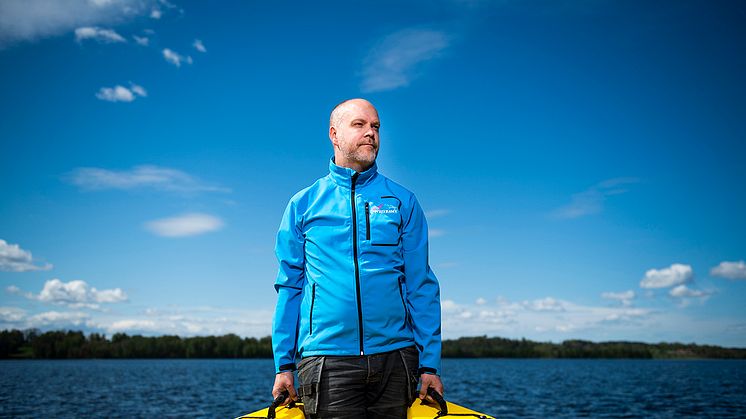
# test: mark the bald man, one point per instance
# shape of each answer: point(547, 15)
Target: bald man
point(358, 304)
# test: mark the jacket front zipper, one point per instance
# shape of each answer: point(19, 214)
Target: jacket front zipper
point(367, 222)
point(357, 269)
point(310, 320)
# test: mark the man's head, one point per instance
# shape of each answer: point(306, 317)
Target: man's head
point(353, 131)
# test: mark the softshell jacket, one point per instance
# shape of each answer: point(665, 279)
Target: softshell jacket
point(354, 277)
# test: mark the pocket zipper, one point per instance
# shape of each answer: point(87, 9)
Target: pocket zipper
point(403, 303)
point(310, 320)
point(367, 222)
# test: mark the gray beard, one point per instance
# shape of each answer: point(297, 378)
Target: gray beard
point(362, 158)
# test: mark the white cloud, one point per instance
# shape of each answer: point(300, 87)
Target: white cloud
point(74, 318)
point(681, 291)
point(11, 314)
point(15, 259)
point(199, 46)
point(95, 33)
point(141, 40)
point(676, 274)
point(436, 232)
point(686, 295)
point(125, 325)
point(156, 13)
point(74, 294)
point(182, 321)
point(120, 93)
point(395, 61)
point(189, 321)
point(544, 304)
point(28, 20)
point(175, 58)
point(185, 225)
point(545, 317)
point(145, 176)
point(730, 270)
point(481, 301)
point(436, 213)
point(138, 90)
point(625, 297)
point(591, 200)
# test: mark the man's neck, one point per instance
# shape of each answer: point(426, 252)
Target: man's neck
point(354, 165)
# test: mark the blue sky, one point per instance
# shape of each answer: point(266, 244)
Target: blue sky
point(580, 163)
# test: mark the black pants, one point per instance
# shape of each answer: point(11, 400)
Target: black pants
point(379, 386)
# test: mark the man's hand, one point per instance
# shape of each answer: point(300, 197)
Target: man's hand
point(427, 381)
point(284, 382)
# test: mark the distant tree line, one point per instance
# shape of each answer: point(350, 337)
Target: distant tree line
point(33, 344)
point(484, 347)
point(74, 344)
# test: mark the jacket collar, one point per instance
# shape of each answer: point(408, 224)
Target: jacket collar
point(342, 176)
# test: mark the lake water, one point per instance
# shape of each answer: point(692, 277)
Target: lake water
point(503, 388)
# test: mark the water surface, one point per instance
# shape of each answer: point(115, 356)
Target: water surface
point(503, 388)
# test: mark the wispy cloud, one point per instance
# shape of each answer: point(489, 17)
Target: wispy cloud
point(182, 321)
point(675, 274)
point(74, 294)
point(185, 225)
point(15, 259)
point(120, 93)
point(540, 317)
point(544, 304)
point(730, 270)
point(175, 58)
point(190, 321)
point(28, 20)
point(156, 12)
point(680, 291)
point(141, 40)
point(396, 60)
point(591, 201)
point(436, 232)
point(199, 46)
point(686, 295)
point(11, 314)
point(57, 318)
point(145, 176)
point(437, 213)
point(106, 36)
point(625, 298)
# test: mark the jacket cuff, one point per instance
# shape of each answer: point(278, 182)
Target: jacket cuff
point(427, 370)
point(286, 368)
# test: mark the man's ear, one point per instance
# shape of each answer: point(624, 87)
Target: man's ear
point(333, 136)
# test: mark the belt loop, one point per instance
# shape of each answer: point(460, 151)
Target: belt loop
point(321, 367)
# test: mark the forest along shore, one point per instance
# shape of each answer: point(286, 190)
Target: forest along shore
point(33, 344)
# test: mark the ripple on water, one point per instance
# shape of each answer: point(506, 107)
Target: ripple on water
point(506, 388)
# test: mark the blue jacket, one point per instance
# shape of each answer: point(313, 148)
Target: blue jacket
point(354, 276)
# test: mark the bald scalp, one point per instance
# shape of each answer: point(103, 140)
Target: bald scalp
point(342, 107)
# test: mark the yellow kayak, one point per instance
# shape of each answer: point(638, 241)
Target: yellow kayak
point(418, 410)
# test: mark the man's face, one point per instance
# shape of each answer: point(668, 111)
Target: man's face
point(356, 136)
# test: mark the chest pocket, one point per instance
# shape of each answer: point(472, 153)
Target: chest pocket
point(383, 221)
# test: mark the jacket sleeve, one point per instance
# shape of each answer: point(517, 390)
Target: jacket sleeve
point(423, 291)
point(289, 249)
